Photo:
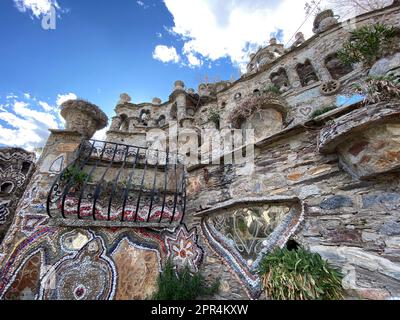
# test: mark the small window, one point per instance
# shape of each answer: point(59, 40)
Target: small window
point(124, 126)
point(26, 166)
point(7, 187)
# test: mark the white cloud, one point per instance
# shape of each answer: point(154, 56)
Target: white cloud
point(21, 109)
point(46, 106)
point(166, 54)
point(11, 96)
point(24, 122)
point(38, 8)
point(61, 98)
point(193, 60)
point(231, 28)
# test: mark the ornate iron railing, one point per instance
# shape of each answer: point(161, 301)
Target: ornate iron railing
point(111, 184)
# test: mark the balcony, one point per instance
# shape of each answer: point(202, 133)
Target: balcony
point(116, 185)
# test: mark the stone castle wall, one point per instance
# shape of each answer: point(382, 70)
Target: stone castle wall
point(330, 184)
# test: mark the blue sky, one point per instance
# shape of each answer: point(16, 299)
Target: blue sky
point(102, 48)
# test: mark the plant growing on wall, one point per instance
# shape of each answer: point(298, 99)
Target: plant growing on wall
point(215, 117)
point(252, 104)
point(320, 112)
point(183, 285)
point(379, 89)
point(299, 275)
point(76, 175)
point(368, 44)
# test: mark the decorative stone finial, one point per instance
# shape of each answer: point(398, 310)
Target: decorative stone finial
point(156, 101)
point(273, 41)
point(299, 39)
point(83, 117)
point(299, 36)
point(179, 85)
point(324, 20)
point(124, 98)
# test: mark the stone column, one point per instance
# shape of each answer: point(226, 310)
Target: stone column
point(321, 70)
point(294, 79)
point(180, 97)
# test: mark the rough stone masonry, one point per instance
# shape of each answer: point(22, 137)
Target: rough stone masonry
point(99, 220)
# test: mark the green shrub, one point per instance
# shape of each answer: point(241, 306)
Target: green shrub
point(321, 111)
point(272, 89)
point(76, 175)
point(368, 44)
point(182, 285)
point(299, 275)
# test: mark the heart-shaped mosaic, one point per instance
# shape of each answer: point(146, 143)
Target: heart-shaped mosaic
point(305, 111)
point(247, 231)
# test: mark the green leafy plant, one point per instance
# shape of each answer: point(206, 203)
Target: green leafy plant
point(183, 285)
point(368, 44)
point(76, 175)
point(299, 275)
point(214, 116)
point(379, 89)
point(322, 111)
point(272, 89)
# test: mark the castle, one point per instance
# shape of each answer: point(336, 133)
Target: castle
point(99, 219)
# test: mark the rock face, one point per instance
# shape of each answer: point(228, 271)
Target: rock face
point(386, 66)
point(330, 184)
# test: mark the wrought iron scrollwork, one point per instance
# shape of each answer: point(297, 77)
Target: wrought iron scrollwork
point(111, 182)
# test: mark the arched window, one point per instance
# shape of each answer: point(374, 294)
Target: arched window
point(161, 121)
point(337, 68)
point(280, 79)
point(306, 73)
point(145, 116)
point(124, 122)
